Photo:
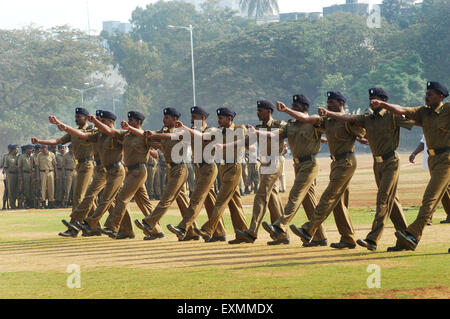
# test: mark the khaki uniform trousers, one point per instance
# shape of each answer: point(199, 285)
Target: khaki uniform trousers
point(446, 203)
point(203, 193)
point(69, 183)
point(175, 190)
point(133, 186)
point(88, 204)
point(13, 185)
point(303, 192)
point(266, 197)
point(335, 199)
point(230, 175)
point(47, 186)
point(84, 176)
point(386, 177)
point(438, 185)
point(114, 179)
point(26, 184)
point(283, 174)
point(59, 186)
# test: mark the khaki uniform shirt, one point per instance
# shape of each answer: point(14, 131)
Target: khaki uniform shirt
point(25, 163)
point(341, 135)
point(271, 126)
point(59, 160)
point(383, 130)
point(81, 149)
point(303, 138)
point(164, 145)
point(10, 163)
point(46, 162)
point(435, 123)
point(109, 149)
point(135, 148)
point(69, 161)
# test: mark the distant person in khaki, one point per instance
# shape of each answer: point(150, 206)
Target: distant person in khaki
point(341, 138)
point(434, 118)
point(422, 147)
point(206, 173)
point(25, 172)
point(59, 183)
point(69, 174)
point(383, 134)
point(165, 140)
point(46, 163)
point(266, 193)
point(305, 141)
point(9, 164)
point(230, 173)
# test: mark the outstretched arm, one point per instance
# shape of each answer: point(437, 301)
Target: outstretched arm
point(336, 115)
point(393, 108)
point(192, 132)
point(135, 131)
point(302, 117)
point(105, 129)
point(72, 131)
point(35, 140)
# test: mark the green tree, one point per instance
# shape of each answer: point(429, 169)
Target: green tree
point(35, 65)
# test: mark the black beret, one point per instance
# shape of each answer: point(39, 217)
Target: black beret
point(60, 146)
point(70, 146)
point(301, 98)
point(10, 146)
point(225, 111)
point(44, 146)
point(438, 87)
point(265, 104)
point(136, 115)
point(172, 112)
point(378, 92)
point(13, 146)
point(337, 96)
point(108, 115)
point(36, 146)
point(98, 112)
point(199, 110)
point(81, 111)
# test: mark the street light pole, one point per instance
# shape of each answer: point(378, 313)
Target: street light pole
point(190, 28)
point(84, 90)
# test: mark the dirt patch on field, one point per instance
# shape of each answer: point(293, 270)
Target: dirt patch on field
point(421, 293)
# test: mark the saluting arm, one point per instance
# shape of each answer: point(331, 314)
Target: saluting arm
point(192, 132)
point(337, 115)
point(302, 117)
point(105, 129)
point(35, 140)
point(135, 131)
point(73, 132)
point(393, 108)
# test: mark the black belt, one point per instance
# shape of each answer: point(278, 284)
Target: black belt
point(59, 168)
point(298, 160)
point(12, 172)
point(113, 166)
point(88, 159)
point(340, 156)
point(136, 166)
point(384, 157)
point(46, 170)
point(437, 151)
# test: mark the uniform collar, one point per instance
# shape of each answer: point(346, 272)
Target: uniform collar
point(438, 109)
point(85, 126)
point(380, 113)
point(269, 122)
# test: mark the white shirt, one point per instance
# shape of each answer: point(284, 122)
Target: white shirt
point(425, 153)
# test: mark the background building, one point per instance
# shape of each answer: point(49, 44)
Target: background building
point(116, 27)
point(351, 6)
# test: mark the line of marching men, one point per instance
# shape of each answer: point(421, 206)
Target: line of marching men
point(113, 162)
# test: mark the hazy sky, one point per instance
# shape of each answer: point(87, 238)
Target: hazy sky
point(47, 13)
